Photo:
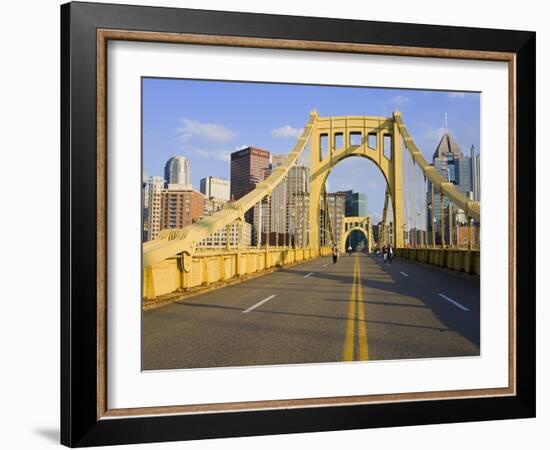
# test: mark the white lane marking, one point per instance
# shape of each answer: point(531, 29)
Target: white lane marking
point(404, 274)
point(308, 275)
point(458, 305)
point(325, 265)
point(260, 303)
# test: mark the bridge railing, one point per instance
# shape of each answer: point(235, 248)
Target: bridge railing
point(209, 268)
point(459, 259)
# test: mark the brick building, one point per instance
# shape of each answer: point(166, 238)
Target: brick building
point(180, 206)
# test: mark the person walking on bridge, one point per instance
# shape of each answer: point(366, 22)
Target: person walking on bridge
point(334, 255)
point(349, 250)
point(390, 254)
point(385, 253)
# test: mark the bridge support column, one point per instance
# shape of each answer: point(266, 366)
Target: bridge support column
point(397, 197)
point(370, 238)
point(315, 188)
point(442, 200)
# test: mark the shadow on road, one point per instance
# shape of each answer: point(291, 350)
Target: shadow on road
point(467, 324)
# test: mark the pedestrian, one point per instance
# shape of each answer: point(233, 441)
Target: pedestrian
point(390, 254)
point(334, 255)
point(384, 254)
point(349, 250)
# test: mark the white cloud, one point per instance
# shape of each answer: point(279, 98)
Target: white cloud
point(400, 99)
point(193, 151)
point(206, 131)
point(457, 94)
point(435, 134)
point(219, 154)
point(287, 132)
point(372, 184)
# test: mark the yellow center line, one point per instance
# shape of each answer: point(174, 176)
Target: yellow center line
point(356, 298)
point(350, 329)
point(363, 343)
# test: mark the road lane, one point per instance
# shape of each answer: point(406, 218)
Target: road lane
point(407, 318)
point(307, 317)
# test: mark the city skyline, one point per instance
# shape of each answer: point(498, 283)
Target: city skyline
point(178, 120)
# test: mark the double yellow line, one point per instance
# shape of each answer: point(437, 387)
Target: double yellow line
point(356, 302)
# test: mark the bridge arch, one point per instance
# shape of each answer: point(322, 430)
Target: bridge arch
point(354, 132)
point(357, 223)
point(347, 234)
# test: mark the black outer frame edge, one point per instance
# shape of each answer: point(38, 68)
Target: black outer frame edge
point(182, 20)
point(65, 371)
point(525, 222)
point(78, 210)
point(79, 426)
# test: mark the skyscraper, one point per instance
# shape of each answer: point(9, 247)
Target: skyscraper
point(356, 204)
point(215, 188)
point(475, 174)
point(247, 170)
point(446, 161)
point(336, 206)
point(289, 205)
point(153, 188)
point(177, 171)
point(456, 168)
point(180, 206)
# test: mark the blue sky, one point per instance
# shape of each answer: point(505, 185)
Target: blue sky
point(207, 120)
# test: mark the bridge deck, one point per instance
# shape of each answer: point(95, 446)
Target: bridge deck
point(303, 314)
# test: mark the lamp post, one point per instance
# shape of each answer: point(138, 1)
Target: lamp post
point(293, 226)
point(434, 221)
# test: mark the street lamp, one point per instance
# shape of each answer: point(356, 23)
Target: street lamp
point(293, 226)
point(430, 207)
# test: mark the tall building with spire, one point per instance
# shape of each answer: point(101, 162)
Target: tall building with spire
point(455, 168)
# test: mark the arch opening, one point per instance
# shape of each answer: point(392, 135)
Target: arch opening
point(355, 186)
point(355, 240)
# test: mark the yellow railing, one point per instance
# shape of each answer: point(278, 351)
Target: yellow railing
point(210, 267)
point(452, 258)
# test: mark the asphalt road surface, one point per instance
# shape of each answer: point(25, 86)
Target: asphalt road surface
point(356, 309)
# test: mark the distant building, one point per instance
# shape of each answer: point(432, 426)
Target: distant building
point(218, 240)
point(288, 210)
point(336, 205)
point(475, 170)
point(180, 206)
point(356, 204)
point(211, 206)
point(152, 196)
point(463, 175)
point(177, 171)
point(458, 169)
point(247, 170)
point(215, 188)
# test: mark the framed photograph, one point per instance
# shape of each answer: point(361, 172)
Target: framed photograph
point(277, 224)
